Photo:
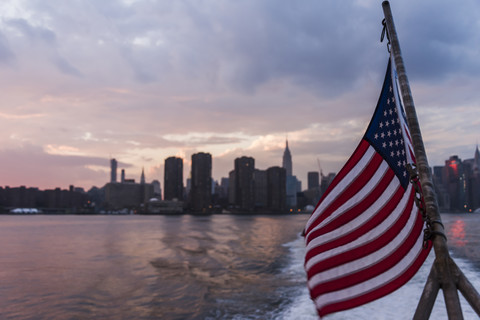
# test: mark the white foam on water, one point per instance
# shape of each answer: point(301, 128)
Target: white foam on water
point(400, 304)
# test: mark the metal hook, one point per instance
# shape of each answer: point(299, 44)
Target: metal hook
point(385, 32)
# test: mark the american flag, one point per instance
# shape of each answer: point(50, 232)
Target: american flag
point(364, 238)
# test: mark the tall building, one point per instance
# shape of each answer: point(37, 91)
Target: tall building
point(454, 180)
point(173, 179)
point(276, 189)
point(292, 182)
point(201, 182)
point(113, 170)
point(287, 160)
point(142, 177)
point(244, 185)
point(313, 180)
point(231, 188)
point(260, 189)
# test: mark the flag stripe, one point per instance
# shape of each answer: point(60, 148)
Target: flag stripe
point(364, 238)
point(349, 172)
point(375, 288)
point(353, 228)
point(362, 148)
point(356, 208)
point(374, 263)
point(387, 241)
point(370, 230)
point(353, 193)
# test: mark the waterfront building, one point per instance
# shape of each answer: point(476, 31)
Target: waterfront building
point(201, 183)
point(244, 183)
point(313, 180)
point(287, 160)
point(173, 179)
point(276, 189)
point(454, 180)
point(142, 177)
point(260, 184)
point(113, 171)
point(231, 188)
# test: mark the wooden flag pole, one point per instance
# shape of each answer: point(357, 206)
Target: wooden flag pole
point(444, 273)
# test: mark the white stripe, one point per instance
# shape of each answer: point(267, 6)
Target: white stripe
point(400, 113)
point(360, 220)
point(373, 283)
point(358, 197)
point(354, 172)
point(373, 234)
point(369, 260)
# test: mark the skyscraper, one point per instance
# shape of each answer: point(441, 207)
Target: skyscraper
point(113, 170)
point(201, 189)
point(287, 160)
point(244, 191)
point(173, 179)
point(313, 180)
point(276, 189)
point(142, 177)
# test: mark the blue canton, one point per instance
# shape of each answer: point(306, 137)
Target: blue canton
point(385, 134)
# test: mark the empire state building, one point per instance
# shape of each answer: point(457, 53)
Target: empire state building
point(287, 160)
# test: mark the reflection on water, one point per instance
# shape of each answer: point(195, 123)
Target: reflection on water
point(145, 267)
point(463, 234)
point(457, 233)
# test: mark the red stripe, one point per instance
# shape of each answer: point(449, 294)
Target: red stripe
point(380, 291)
point(357, 209)
point(372, 271)
point(378, 218)
point(370, 247)
point(356, 156)
point(355, 186)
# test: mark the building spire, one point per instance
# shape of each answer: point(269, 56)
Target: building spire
point(476, 160)
point(142, 177)
point(287, 159)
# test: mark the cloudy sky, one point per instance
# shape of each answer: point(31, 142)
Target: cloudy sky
point(83, 81)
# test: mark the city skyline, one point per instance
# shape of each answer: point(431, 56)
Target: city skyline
point(140, 81)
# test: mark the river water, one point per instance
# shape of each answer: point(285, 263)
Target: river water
point(184, 267)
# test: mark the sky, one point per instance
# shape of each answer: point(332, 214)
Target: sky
point(84, 81)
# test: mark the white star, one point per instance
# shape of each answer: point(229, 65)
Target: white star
point(398, 153)
point(384, 145)
point(381, 124)
point(376, 136)
point(395, 132)
point(389, 133)
point(396, 142)
point(399, 163)
point(391, 144)
point(390, 111)
point(393, 121)
point(392, 154)
point(382, 135)
point(387, 124)
point(385, 113)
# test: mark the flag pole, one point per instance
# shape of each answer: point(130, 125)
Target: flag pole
point(444, 273)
